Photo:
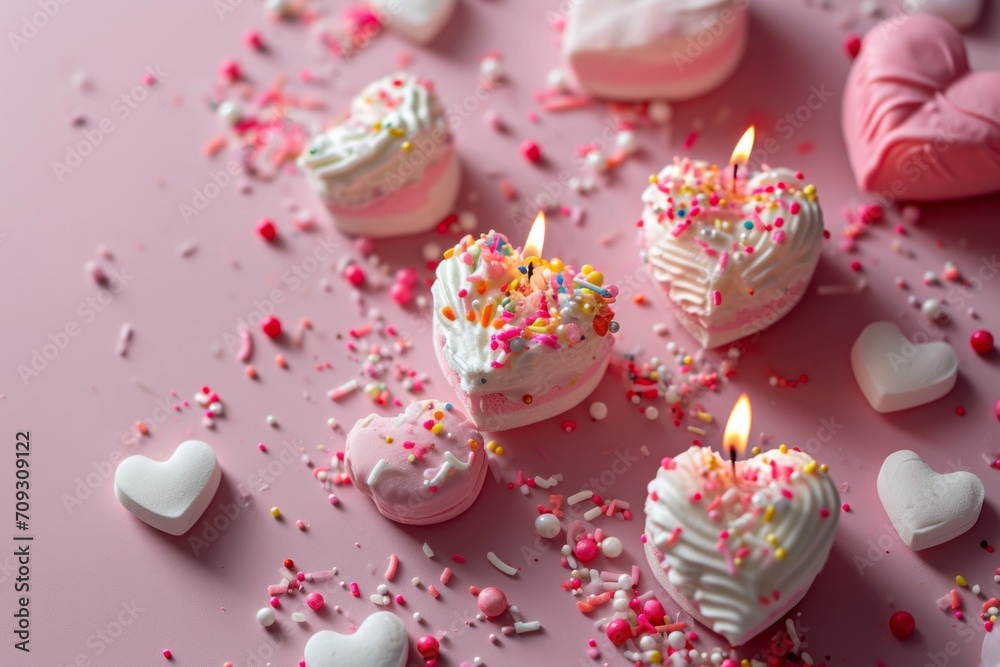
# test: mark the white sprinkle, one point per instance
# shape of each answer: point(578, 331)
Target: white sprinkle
point(530, 626)
point(598, 411)
point(124, 338)
point(500, 565)
point(593, 513)
point(792, 634)
point(299, 617)
point(271, 420)
point(580, 497)
point(377, 599)
point(428, 551)
point(377, 471)
point(417, 617)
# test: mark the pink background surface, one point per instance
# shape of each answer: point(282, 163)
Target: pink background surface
point(90, 561)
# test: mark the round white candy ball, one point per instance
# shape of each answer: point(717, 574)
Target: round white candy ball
point(547, 525)
point(612, 547)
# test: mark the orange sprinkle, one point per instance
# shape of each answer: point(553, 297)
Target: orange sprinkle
point(484, 321)
point(448, 313)
point(639, 298)
point(470, 315)
point(141, 427)
point(251, 372)
point(214, 145)
point(565, 103)
point(498, 324)
point(448, 253)
point(280, 360)
point(508, 189)
point(481, 288)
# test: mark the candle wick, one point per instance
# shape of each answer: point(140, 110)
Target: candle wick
point(531, 269)
point(732, 459)
point(736, 167)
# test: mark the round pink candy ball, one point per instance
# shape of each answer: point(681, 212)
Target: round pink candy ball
point(315, 601)
point(428, 646)
point(492, 602)
point(654, 611)
point(586, 550)
point(619, 631)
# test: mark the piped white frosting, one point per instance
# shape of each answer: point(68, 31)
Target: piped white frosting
point(740, 596)
point(396, 128)
point(695, 257)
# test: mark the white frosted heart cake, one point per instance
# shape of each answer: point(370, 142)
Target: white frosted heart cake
point(733, 257)
point(737, 552)
point(389, 168)
point(645, 49)
point(520, 339)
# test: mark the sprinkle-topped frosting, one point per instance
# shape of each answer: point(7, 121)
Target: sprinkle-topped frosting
point(424, 465)
point(741, 548)
point(519, 325)
point(725, 250)
point(395, 129)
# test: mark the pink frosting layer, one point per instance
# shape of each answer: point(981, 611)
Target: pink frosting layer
point(919, 125)
point(497, 412)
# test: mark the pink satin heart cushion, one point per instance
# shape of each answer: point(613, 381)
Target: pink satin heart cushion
point(919, 124)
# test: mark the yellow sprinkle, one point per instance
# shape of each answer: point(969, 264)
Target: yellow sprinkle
point(586, 268)
point(824, 468)
point(377, 125)
point(783, 449)
point(491, 445)
point(411, 458)
point(769, 514)
point(556, 265)
point(388, 439)
point(772, 539)
point(688, 360)
point(809, 468)
point(449, 253)
point(596, 277)
point(755, 451)
point(655, 657)
point(275, 512)
point(960, 580)
point(705, 417)
point(745, 663)
point(397, 131)
point(779, 554)
point(437, 428)
point(499, 451)
point(696, 430)
point(809, 189)
point(654, 179)
point(738, 562)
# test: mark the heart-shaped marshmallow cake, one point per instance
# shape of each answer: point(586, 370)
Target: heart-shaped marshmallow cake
point(424, 466)
point(734, 258)
point(919, 125)
point(417, 20)
point(927, 508)
point(172, 494)
point(519, 339)
point(895, 374)
point(380, 641)
point(737, 556)
point(389, 167)
point(645, 49)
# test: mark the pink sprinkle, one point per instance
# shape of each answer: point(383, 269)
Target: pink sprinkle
point(433, 591)
point(852, 45)
point(689, 141)
point(275, 602)
point(167, 654)
point(845, 507)
point(855, 265)
point(400, 600)
point(230, 69)
point(531, 152)
point(717, 297)
point(459, 558)
point(253, 39)
point(446, 576)
point(354, 590)
point(393, 565)
point(277, 589)
point(824, 512)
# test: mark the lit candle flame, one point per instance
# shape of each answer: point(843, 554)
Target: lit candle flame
point(741, 154)
point(738, 427)
point(536, 237)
